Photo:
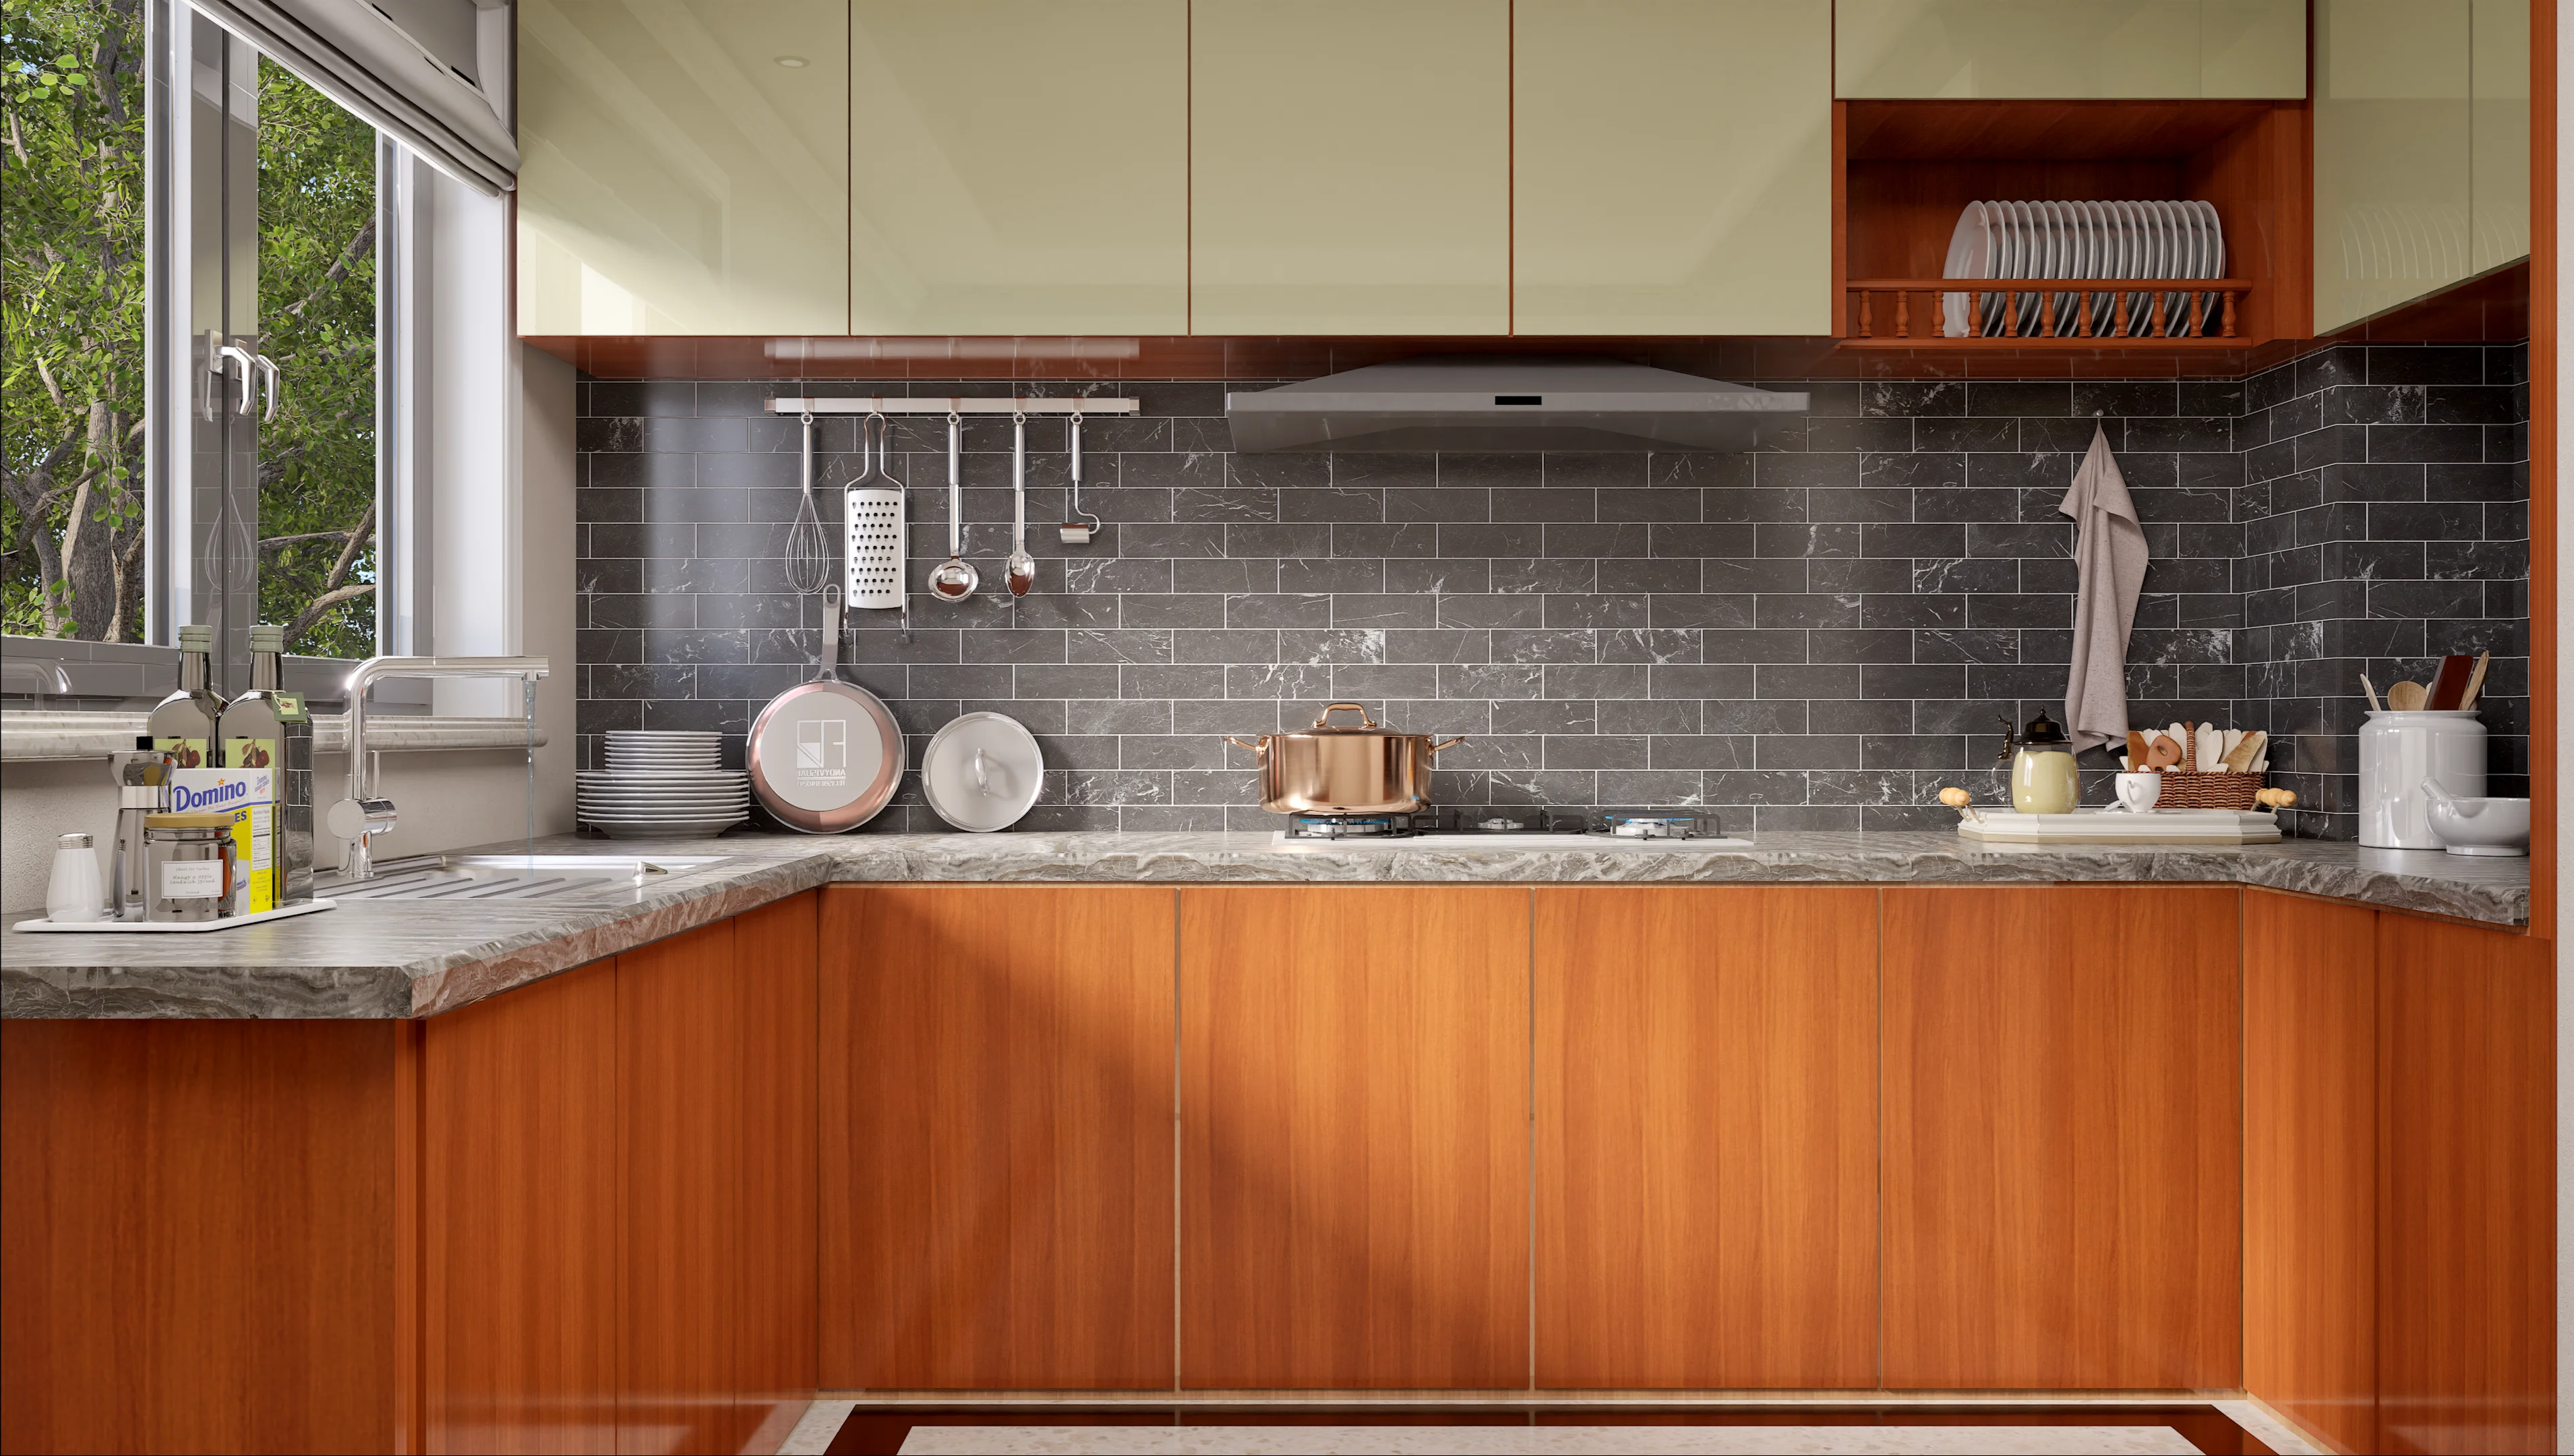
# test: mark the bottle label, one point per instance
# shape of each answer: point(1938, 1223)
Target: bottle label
point(250, 796)
point(289, 708)
point(186, 753)
point(250, 752)
point(192, 880)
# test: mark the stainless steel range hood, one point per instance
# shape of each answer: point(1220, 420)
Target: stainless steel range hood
point(1505, 403)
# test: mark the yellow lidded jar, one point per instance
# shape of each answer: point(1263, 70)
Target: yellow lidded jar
point(2043, 779)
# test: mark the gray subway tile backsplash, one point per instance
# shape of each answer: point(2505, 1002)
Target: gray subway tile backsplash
point(1816, 635)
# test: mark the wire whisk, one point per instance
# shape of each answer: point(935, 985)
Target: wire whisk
point(808, 547)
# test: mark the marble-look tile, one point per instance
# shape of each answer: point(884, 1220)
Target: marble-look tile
point(1533, 1440)
point(400, 959)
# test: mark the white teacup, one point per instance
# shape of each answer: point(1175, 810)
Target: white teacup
point(2138, 792)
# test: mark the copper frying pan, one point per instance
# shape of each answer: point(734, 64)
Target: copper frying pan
point(825, 756)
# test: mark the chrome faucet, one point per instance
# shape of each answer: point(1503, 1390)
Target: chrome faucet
point(363, 814)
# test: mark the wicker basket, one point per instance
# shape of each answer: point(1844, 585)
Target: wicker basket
point(2186, 788)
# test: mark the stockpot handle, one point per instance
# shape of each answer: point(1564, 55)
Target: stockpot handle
point(1262, 748)
point(1452, 743)
point(1365, 718)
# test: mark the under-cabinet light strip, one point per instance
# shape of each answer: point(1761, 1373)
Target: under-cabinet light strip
point(864, 405)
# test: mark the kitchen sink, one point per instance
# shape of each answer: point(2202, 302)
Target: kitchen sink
point(556, 878)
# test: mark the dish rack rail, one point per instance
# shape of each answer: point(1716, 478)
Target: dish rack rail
point(2176, 309)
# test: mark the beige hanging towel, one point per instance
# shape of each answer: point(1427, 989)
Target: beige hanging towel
point(2109, 559)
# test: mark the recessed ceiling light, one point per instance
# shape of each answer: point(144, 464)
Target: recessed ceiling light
point(793, 63)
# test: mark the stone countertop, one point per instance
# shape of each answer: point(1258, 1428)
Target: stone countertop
point(400, 959)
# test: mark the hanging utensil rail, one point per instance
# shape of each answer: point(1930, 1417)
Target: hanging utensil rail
point(864, 405)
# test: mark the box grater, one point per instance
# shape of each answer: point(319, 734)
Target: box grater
point(875, 553)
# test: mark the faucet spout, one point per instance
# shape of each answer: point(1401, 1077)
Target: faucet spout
point(365, 810)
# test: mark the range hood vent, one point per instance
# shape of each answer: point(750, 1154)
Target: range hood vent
point(1505, 403)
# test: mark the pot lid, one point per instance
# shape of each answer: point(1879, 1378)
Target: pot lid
point(2041, 731)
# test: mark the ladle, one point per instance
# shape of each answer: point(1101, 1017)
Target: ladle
point(955, 579)
point(1021, 569)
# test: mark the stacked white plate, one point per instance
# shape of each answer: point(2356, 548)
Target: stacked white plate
point(660, 785)
point(2087, 240)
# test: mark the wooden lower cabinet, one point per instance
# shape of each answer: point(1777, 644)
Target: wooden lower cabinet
point(1706, 1137)
point(1354, 1163)
point(2062, 1138)
point(2466, 1312)
point(997, 1138)
point(203, 1231)
point(2310, 1079)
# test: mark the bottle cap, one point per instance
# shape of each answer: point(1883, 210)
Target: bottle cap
point(74, 841)
point(196, 637)
point(266, 637)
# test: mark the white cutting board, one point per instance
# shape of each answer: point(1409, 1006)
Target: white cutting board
point(2117, 827)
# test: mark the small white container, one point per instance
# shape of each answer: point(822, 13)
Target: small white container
point(74, 894)
point(2138, 792)
point(2397, 751)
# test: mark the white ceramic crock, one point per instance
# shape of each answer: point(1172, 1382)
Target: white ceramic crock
point(2397, 751)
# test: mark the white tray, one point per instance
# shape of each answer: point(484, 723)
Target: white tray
point(2117, 827)
point(169, 927)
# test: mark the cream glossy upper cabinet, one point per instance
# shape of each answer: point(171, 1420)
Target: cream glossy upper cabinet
point(2071, 49)
point(2498, 132)
point(2393, 160)
point(684, 167)
point(1019, 167)
point(1350, 167)
point(1649, 200)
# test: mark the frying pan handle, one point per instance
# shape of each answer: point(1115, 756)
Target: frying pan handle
point(830, 662)
point(1261, 748)
point(1452, 743)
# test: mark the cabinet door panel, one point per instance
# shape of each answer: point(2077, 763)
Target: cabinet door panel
point(776, 974)
point(962, 222)
point(520, 1218)
point(1354, 1102)
point(2466, 1320)
point(680, 1160)
point(1350, 167)
point(2393, 180)
point(2062, 1174)
point(2052, 49)
point(996, 1135)
point(676, 178)
point(2498, 131)
point(1706, 1137)
point(1613, 105)
point(2310, 1162)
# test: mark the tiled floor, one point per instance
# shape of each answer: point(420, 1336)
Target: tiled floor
point(840, 1426)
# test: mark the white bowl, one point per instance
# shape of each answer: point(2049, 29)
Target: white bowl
point(2499, 826)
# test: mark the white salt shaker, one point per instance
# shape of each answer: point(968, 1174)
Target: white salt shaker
point(74, 894)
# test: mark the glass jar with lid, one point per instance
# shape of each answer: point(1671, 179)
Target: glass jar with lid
point(2043, 779)
point(188, 863)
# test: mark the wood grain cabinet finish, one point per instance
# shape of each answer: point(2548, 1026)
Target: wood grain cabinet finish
point(1706, 1137)
point(997, 1131)
point(961, 226)
point(2310, 1079)
point(776, 953)
point(519, 1217)
point(678, 178)
point(1354, 1068)
point(2466, 1322)
point(1610, 102)
point(2062, 1138)
point(2071, 49)
point(1350, 167)
point(201, 1237)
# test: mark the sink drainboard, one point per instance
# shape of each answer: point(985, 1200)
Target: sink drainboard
point(479, 877)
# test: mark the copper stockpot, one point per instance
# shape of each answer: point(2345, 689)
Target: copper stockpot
point(1336, 769)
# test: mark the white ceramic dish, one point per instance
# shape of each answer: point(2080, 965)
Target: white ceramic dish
point(2497, 827)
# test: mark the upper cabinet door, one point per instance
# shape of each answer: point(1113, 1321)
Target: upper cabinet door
point(2393, 172)
point(685, 167)
point(2498, 131)
point(1019, 167)
point(2071, 49)
point(1350, 168)
point(1649, 200)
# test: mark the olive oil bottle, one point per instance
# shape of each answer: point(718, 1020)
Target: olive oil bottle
point(188, 724)
point(267, 729)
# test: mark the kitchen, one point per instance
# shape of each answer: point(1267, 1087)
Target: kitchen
point(1626, 1026)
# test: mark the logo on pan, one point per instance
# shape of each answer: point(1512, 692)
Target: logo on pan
point(822, 752)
